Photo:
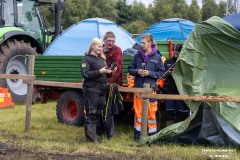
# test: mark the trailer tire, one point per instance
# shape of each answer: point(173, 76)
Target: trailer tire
point(70, 108)
point(12, 61)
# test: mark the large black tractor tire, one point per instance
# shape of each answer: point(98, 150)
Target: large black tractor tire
point(13, 61)
point(70, 108)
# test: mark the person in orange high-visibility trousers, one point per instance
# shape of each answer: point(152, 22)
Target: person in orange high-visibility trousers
point(152, 123)
point(147, 67)
point(138, 108)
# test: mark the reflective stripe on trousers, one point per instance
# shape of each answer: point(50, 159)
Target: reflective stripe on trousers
point(152, 108)
point(140, 120)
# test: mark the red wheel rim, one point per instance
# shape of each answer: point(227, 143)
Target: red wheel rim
point(70, 110)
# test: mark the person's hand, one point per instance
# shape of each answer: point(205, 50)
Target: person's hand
point(115, 69)
point(145, 73)
point(105, 70)
point(170, 71)
point(108, 71)
point(141, 72)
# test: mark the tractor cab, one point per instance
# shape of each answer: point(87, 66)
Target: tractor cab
point(25, 15)
point(29, 20)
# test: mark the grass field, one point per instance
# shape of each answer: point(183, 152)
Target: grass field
point(49, 139)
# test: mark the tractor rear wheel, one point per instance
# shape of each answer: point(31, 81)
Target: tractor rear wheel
point(13, 61)
point(70, 108)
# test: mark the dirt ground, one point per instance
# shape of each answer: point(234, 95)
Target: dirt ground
point(13, 153)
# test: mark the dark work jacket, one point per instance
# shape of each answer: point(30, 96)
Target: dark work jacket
point(113, 104)
point(154, 65)
point(170, 85)
point(90, 67)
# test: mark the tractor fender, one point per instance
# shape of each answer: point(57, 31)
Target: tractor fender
point(20, 35)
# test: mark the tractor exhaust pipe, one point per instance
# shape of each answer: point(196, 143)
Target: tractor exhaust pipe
point(59, 8)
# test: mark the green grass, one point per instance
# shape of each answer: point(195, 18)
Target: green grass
point(48, 136)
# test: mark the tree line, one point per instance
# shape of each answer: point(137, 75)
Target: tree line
point(136, 17)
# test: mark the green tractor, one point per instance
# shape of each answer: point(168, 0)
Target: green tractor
point(23, 32)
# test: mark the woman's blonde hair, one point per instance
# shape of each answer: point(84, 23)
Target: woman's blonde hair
point(96, 41)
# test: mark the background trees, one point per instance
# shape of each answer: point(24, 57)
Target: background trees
point(209, 9)
point(136, 17)
point(194, 12)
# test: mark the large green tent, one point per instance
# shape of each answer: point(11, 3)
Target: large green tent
point(209, 64)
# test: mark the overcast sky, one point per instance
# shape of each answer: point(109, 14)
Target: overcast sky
point(147, 2)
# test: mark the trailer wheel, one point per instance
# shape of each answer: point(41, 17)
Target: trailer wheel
point(70, 108)
point(12, 61)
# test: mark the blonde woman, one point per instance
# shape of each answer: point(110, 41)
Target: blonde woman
point(94, 71)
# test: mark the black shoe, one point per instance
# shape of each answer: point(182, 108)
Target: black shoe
point(93, 141)
point(136, 139)
point(109, 136)
point(96, 142)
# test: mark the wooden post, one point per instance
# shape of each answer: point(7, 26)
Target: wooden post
point(31, 62)
point(144, 120)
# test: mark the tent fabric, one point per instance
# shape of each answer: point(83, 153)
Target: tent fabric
point(207, 128)
point(209, 65)
point(77, 38)
point(234, 20)
point(169, 29)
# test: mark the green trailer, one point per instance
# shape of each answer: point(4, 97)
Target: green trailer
point(64, 68)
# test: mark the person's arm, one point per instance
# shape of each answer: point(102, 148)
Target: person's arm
point(87, 74)
point(132, 68)
point(118, 59)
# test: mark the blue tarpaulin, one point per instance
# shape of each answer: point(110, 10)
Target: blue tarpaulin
point(77, 38)
point(170, 29)
point(234, 20)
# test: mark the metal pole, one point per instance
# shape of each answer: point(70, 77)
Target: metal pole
point(57, 18)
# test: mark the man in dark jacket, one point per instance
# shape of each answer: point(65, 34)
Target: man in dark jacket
point(147, 67)
point(173, 106)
